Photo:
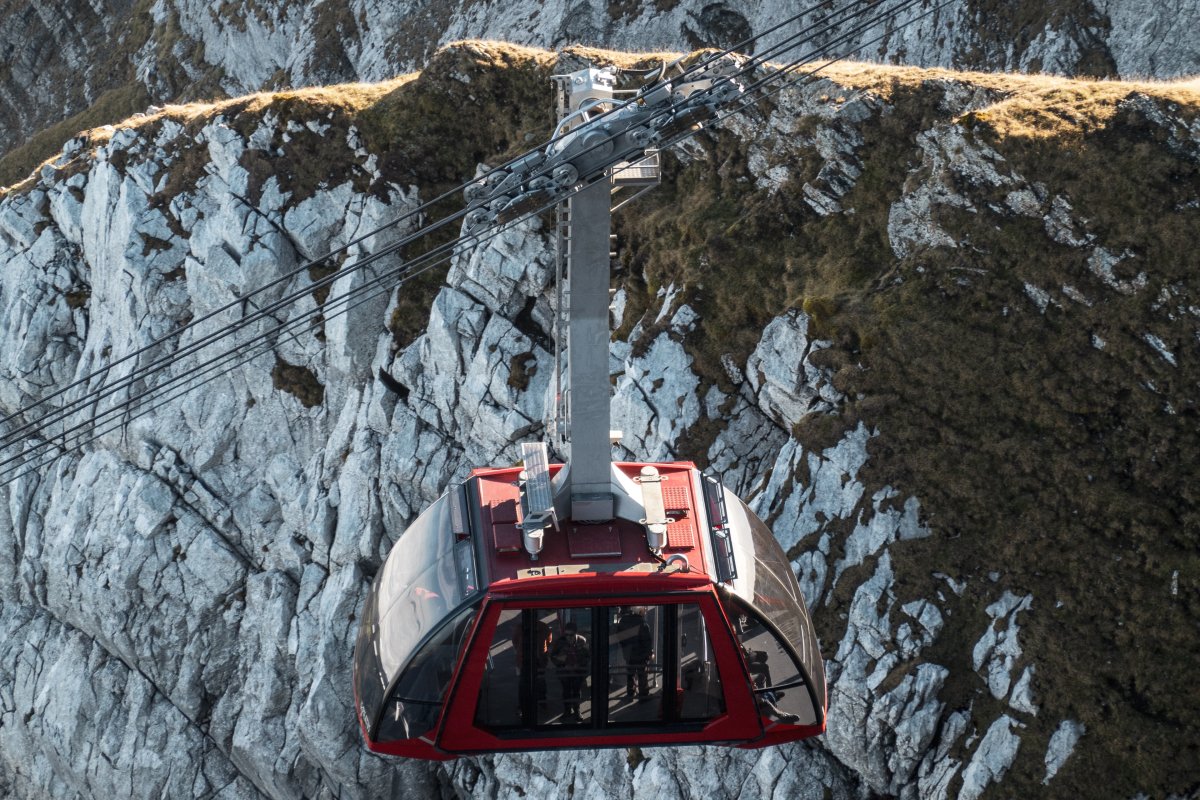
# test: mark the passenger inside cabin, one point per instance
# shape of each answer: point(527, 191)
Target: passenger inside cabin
point(637, 646)
point(572, 656)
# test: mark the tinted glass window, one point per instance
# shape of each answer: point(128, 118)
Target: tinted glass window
point(776, 593)
point(779, 686)
point(417, 699)
point(426, 575)
point(700, 695)
point(636, 643)
point(608, 667)
point(769, 587)
point(567, 670)
point(504, 692)
point(369, 678)
point(539, 670)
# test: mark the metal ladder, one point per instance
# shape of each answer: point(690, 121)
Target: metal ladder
point(557, 425)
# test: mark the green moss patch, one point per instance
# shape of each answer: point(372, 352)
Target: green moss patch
point(301, 382)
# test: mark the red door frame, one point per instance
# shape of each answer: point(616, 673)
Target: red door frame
point(738, 725)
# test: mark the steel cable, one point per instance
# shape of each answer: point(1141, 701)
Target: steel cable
point(145, 371)
point(433, 259)
point(704, 63)
point(426, 262)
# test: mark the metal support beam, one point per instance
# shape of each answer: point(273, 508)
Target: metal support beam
point(587, 353)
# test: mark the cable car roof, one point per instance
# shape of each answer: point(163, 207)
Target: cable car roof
point(616, 546)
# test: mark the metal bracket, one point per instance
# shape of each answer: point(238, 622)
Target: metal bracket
point(537, 500)
point(598, 133)
point(656, 512)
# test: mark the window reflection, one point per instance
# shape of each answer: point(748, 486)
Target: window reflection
point(779, 686)
point(504, 674)
point(539, 670)
point(416, 701)
point(700, 695)
point(635, 642)
point(568, 667)
point(768, 585)
point(424, 577)
point(608, 667)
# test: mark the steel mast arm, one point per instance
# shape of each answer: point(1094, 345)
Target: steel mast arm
point(594, 135)
point(659, 112)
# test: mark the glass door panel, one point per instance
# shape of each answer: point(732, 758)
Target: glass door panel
point(700, 695)
point(505, 678)
point(636, 644)
point(567, 670)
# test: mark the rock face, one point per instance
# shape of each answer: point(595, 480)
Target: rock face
point(170, 50)
point(178, 601)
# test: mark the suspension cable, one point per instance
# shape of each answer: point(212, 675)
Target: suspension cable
point(432, 258)
point(404, 273)
point(145, 371)
point(703, 64)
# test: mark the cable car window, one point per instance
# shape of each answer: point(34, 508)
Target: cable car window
point(769, 588)
point(416, 702)
point(539, 670)
point(423, 579)
point(503, 695)
point(369, 678)
point(636, 642)
point(567, 670)
point(700, 693)
point(608, 667)
point(779, 685)
point(776, 595)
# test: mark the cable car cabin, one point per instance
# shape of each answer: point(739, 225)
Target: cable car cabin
point(684, 627)
point(588, 604)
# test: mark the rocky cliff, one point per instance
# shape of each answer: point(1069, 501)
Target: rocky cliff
point(941, 329)
point(74, 64)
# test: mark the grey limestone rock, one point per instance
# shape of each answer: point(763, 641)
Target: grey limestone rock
point(1062, 744)
point(992, 758)
point(779, 372)
point(178, 602)
point(997, 651)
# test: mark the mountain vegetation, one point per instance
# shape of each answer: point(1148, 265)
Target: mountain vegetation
point(1004, 269)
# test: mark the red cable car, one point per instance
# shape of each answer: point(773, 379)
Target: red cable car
point(469, 645)
point(587, 604)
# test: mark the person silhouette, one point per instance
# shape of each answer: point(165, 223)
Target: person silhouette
point(637, 646)
point(572, 656)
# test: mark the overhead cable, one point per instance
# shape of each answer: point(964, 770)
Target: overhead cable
point(379, 283)
point(144, 371)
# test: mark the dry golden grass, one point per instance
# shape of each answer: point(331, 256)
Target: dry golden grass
point(1056, 107)
point(618, 58)
point(1029, 106)
point(350, 97)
